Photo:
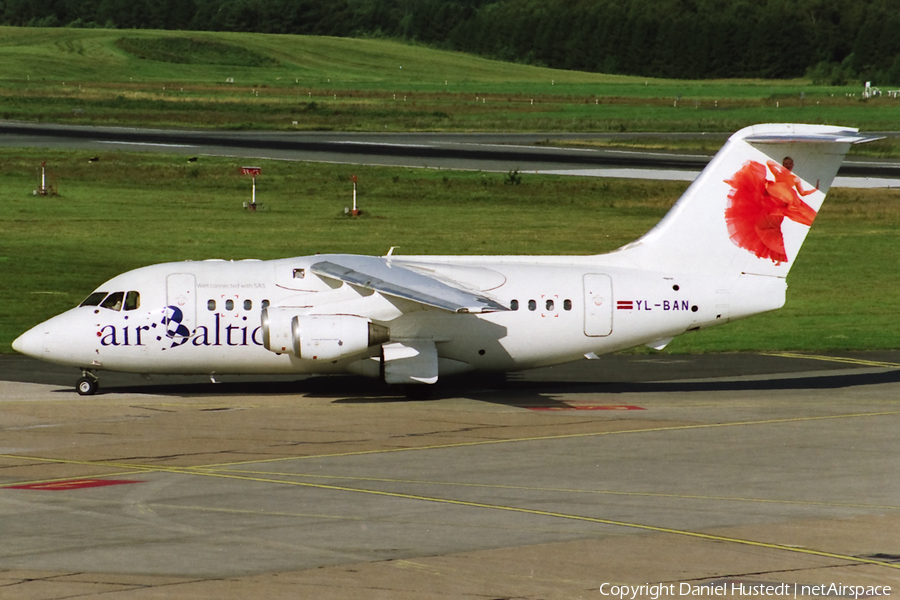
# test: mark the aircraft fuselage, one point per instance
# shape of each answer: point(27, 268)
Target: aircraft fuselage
point(204, 317)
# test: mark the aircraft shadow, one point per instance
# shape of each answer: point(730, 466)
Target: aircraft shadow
point(539, 394)
point(498, 389)
point(492, 388)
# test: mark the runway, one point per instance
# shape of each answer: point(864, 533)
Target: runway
point(493, 152)
point(713, 470)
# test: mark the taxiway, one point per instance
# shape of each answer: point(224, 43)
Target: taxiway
point(545, 484)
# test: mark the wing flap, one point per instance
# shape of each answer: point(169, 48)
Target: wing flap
point(380, 275)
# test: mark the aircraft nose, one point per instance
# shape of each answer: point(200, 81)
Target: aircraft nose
point(30, 343)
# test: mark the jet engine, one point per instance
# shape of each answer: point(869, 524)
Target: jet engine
point(319, 337)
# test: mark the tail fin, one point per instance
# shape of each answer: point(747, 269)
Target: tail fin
point(748, 211)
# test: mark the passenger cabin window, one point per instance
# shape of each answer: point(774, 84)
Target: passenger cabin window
point(513, 305)
point(132, 301)
point(113, 301)
point(265, 304)
point(229, 305)
point(94, 299)
point(299, 273)
point(567, 305)
point(248, 304)
point(211, 305)
point(532, 305)
point(549, 304)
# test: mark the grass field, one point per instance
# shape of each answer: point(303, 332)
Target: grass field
point(157, 78)
point(130, 210)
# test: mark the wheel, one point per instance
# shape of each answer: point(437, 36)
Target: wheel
point(86, 386)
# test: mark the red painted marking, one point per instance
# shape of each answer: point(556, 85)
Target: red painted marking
point(251, 171)
point(72, 484)
point(625, 304)
point(589, 407)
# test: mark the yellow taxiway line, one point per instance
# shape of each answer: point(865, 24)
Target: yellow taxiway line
point(837, 359)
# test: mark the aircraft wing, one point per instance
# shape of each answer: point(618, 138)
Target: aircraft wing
point(386, 277)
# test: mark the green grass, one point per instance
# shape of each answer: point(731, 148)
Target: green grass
point(181, 50)
point(130, 210)
point(163, 78)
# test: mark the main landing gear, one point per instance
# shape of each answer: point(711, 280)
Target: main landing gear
point(88, 384)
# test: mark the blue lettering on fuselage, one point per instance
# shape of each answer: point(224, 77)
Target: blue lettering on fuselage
point(664, 305)
point(233, 335)
point(676, 305)
point(175, 330)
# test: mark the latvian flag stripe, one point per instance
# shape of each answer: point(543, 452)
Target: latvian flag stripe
point(625, 304)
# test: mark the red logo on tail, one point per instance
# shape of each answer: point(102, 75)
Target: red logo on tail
point(757, 207)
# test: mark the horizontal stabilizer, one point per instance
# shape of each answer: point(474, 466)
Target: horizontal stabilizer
point(386, 277)
point(848, 137)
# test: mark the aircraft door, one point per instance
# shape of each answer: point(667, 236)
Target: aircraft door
point(181, 309)
point(597, 305)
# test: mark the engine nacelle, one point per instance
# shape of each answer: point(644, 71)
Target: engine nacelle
point(276, 329)
point(319, 337)
point(330, 337)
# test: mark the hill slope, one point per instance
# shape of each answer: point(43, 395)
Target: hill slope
point(94, 55)
point(248, 80)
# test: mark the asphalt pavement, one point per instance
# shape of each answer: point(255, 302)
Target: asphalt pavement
point(713, 472)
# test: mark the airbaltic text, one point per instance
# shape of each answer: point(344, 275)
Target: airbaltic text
point(171, 329)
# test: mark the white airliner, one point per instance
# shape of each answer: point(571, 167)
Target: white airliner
point(722, 253)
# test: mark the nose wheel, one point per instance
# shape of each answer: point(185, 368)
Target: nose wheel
point(87, 385)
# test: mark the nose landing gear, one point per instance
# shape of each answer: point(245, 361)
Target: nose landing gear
point(88, 384)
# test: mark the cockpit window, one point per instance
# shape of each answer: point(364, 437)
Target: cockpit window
point(132, 301)
point(113, 301)
point(94, 299)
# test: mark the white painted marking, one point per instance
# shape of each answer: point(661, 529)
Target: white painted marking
point(675, 175)
point(382, 144)
point(661, 174)
point(147, 144)
point(865, 182)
